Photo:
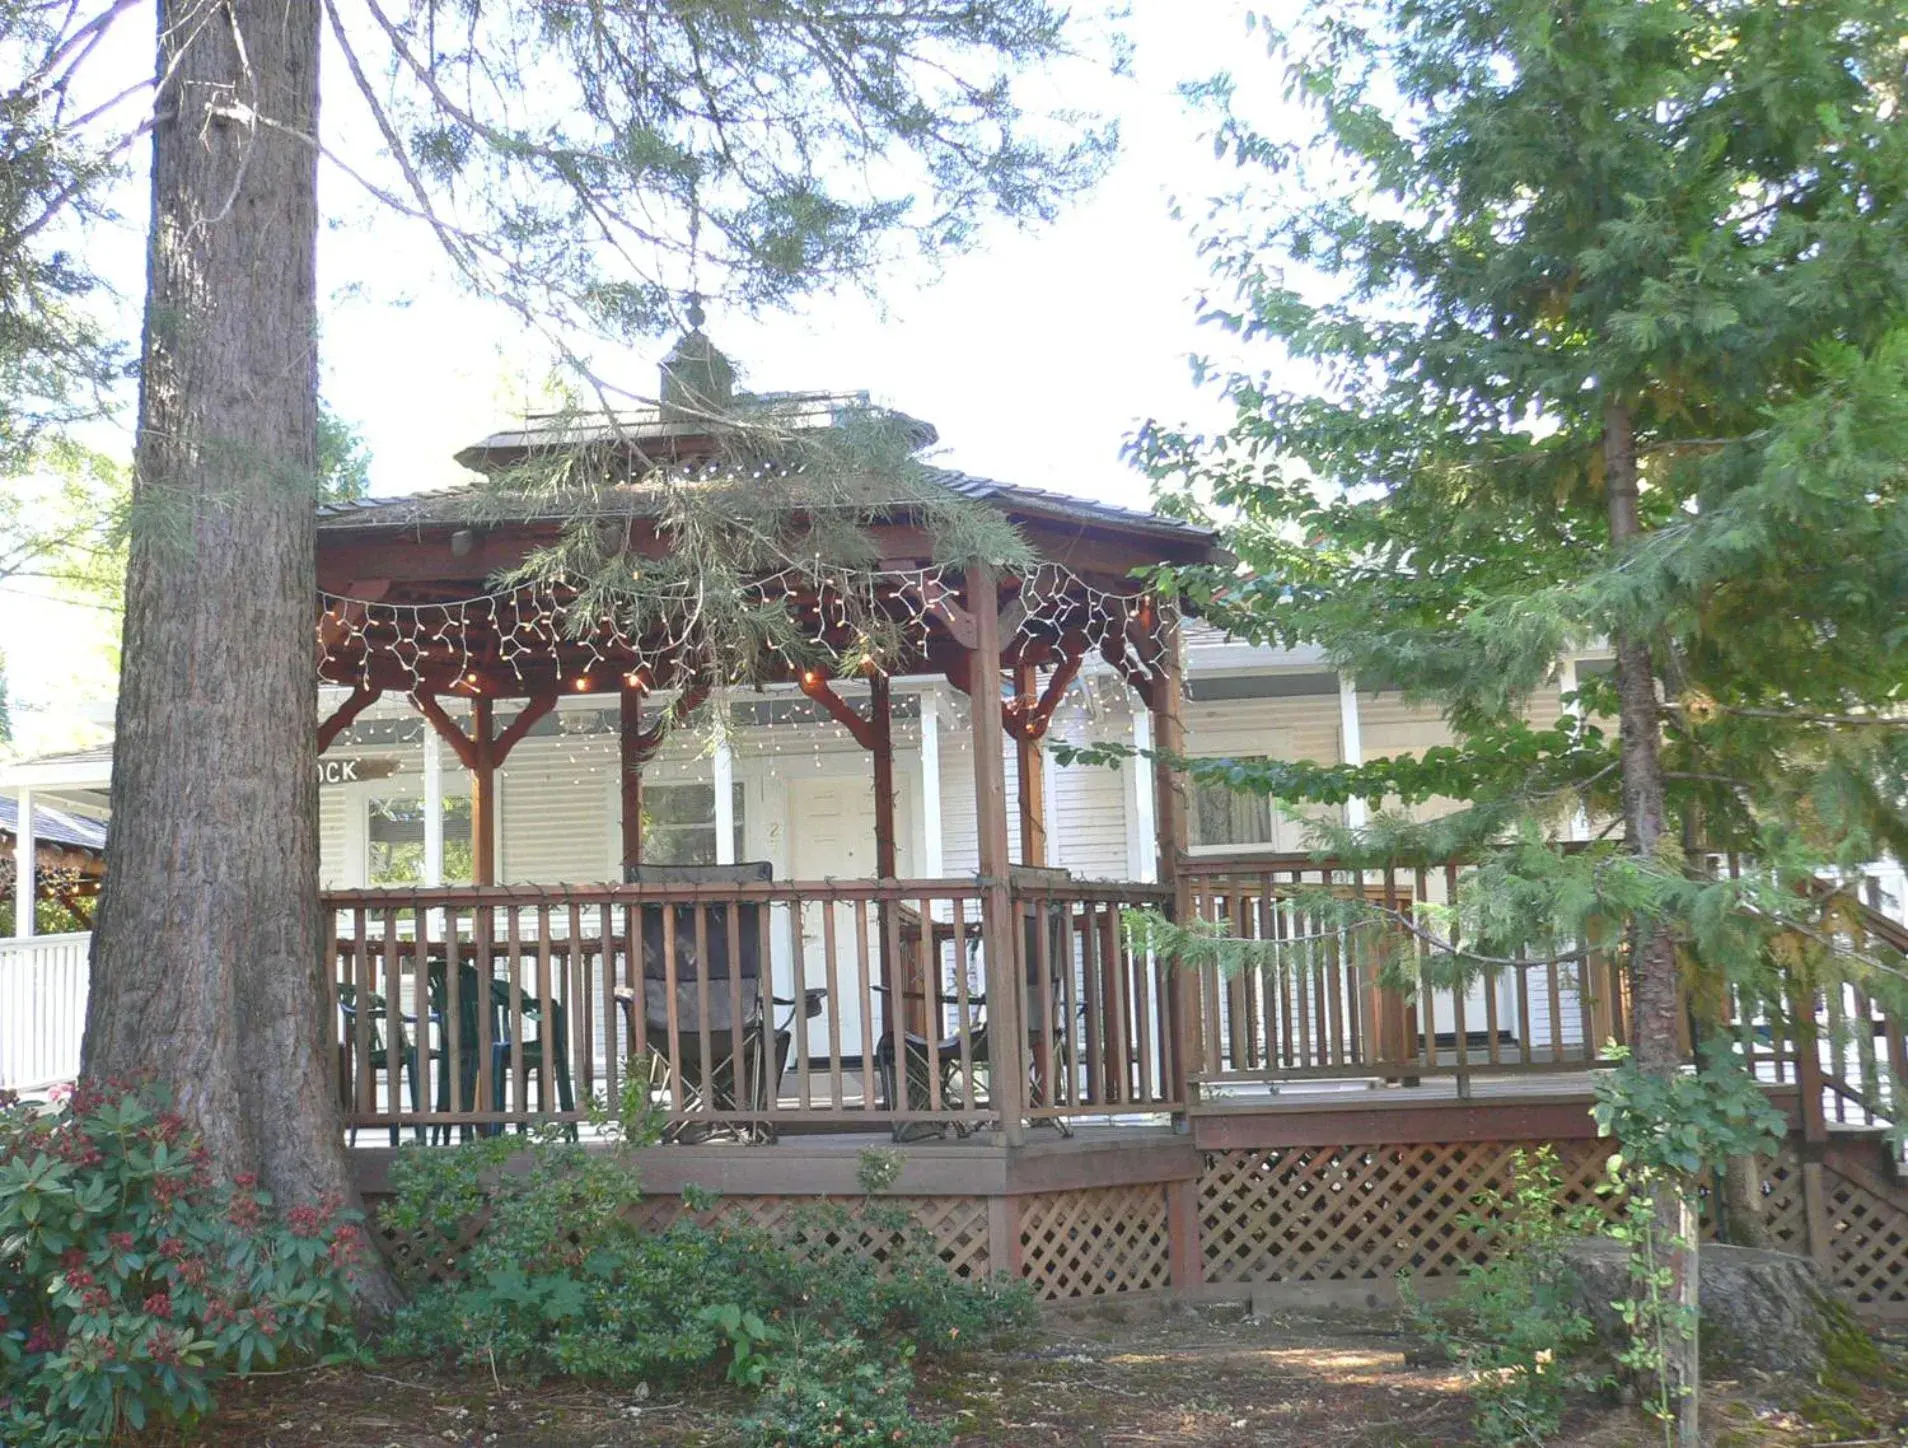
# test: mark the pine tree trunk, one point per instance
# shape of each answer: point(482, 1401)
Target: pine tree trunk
point(1656, 1034)
point(206, 967)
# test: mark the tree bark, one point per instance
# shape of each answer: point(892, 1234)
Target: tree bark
point(1656, 1035)
point(206, 960)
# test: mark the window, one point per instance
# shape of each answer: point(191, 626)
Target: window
point(394, 834)
point(679, 824)
point(1222, 816)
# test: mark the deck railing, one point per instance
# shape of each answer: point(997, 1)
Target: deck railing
point(849, 1004)
point(1318, 1009)
point(42, 1009)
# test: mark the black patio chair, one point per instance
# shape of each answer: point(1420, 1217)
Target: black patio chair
point(733, 1086)
point(377, 1052)
point(1045, 1026)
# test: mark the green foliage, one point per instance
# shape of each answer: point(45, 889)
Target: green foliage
point(1652, 1316)
point(1520, 241)
point(344, 463)
point(57, 358)
point(1512, 1326)
point(529, 1261)
point(1677, 1126)
point(130, 1282)
point(834, 1391)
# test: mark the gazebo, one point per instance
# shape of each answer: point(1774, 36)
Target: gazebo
point(751, 1005)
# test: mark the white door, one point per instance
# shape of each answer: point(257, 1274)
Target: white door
point(831, 836)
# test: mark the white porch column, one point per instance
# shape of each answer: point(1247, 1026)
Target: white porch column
point(433, 806)
point(25, 846)
point(1351, 744)
point(723, 768)
point(933, 842)
point(1142, 858)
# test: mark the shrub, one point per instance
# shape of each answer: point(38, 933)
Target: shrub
point(834, 1392)
point(130, 1281)
point(1512, 1325)
point(529, 1261)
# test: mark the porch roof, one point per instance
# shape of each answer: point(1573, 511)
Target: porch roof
point(55, 827)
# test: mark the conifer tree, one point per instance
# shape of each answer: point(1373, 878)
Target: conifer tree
point(1604, 307)
point(589, 165)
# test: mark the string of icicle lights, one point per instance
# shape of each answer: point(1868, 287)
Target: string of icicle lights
point(535, 623)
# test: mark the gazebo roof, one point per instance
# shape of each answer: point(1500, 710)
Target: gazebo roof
point(459, 506)
point(408, 583)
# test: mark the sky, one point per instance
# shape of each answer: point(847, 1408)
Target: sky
point(1034, 355)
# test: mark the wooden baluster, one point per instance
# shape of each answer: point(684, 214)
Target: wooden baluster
point(484, 927)
point(831, 982)
point(739, 1073)
point(864, 984)
point(927, 972)
point(1278, 928)
point(710, 1098)
point(519, 1093)
point(765, 993)
point(576, 1000)
point(963, 1006)
point(1136, 966)
point(615, 1023)
point(547, 1042)
point(1338, 984)
point(1093, 990)
point(1523, 1009)
point(1585, 1008)
point(1070, 1003)
point(1119, 1017)
point(361, 1014)
point(1838, 1048)
point(672, 1013)
point(804, 1090)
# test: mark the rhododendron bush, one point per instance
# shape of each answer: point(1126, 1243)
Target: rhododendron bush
point(131, 1280)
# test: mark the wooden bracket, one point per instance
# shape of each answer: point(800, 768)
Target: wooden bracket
point(362, 698)
point(461, 743)
point(526, 720)
point(465, 747)
point(816, 687)
point(1027, 719)
point(940, 601)
point(646, 742)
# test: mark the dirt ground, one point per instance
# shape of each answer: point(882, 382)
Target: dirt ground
point(1195, 1376)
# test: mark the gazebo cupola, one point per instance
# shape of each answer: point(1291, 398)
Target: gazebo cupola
point(697, 381)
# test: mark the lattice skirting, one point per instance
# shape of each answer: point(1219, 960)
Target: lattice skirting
point(1365, 1213)
point(1094, 1242)
point(1340, 1213)
point(1868, 1236)
point(1351, 1213)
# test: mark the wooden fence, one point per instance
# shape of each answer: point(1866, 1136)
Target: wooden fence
point(743, 1008)
point(1319, 1008)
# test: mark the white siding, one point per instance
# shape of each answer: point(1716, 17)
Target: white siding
point(336, 870)
point(554, 824)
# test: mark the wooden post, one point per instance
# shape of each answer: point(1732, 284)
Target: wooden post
point(907, 1005)
point(483, 793)
point(1185, 1255)
point(481, 752)
point(881, 746)
point(1006, 1039)
point(631, 755)
point(1171, 823)
point(1032, 771)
